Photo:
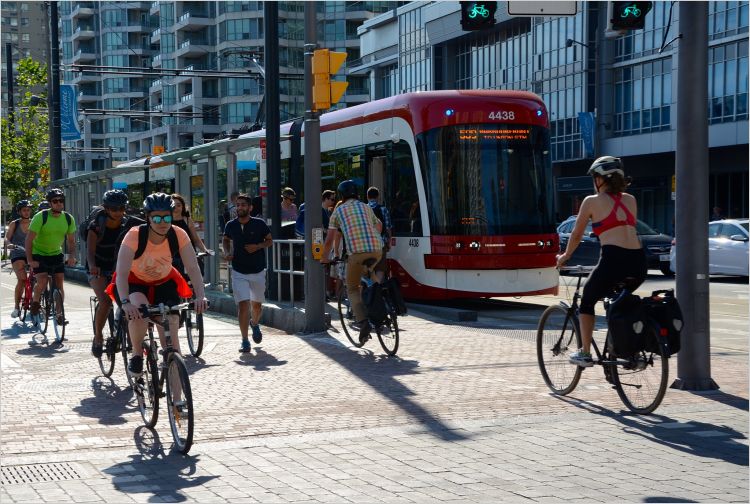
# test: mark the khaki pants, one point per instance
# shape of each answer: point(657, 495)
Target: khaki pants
point(354, 272)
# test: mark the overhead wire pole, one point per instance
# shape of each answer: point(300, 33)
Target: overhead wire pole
point(55, 140)
point(273, 134)
point(691, 221)
point(314, 275)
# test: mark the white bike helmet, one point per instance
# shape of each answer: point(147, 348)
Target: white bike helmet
point(606, 166)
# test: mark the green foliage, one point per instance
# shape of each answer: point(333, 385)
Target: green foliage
point(25, 162)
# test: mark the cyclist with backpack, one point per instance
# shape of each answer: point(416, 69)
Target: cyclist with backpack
point(612, 212)
point(362, 238)
point(47, 232)
point(101, 232)
point(145, 275)
point(382, 213)
point(16, 238)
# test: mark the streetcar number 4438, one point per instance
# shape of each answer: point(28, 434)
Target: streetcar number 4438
point(503, 114)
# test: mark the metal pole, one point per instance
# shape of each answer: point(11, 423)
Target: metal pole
point(694, 358)
point(9, 74)
point(273, 135)
point(314, 276)
point(55, 142)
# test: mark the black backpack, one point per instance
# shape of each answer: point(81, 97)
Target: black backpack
point(45, 216)
point(664, 312)
point(174, 244)
point(627, 323)
point(100, 216)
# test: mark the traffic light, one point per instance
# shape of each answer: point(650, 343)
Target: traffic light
point(477, 15)
point(325, 91)
point(629, 15)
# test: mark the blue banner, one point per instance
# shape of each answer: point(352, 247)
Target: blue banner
point(69, 113)
point(586, 123)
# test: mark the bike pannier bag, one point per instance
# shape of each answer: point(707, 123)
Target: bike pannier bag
point(372, 295)
point(395, 291)
point(626, 321)
point(664, 312)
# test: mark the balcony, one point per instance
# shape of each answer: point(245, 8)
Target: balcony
point(82, 10)
point(156, 61)
point(157, 108)
point(84, 32)
point(192, 48)
point(87, 96)
point(156, 35)
point(84, 56)
point(192, 22)
point(155, 85)
point(154, 8)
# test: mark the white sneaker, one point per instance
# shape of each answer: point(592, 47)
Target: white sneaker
point(15, 313)
point(581, 358)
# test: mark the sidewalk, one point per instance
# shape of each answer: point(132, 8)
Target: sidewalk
point(461, 415)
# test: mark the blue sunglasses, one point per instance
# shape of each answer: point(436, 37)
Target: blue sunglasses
point(158, 219)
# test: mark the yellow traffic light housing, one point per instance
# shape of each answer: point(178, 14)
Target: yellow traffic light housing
point(325, 91)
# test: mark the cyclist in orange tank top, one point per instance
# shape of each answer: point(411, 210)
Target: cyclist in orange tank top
point(612, 212)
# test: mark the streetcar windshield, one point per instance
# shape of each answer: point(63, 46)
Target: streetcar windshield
point(487, 179)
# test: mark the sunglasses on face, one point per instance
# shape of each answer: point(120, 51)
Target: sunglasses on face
point(57, 200)
point(116, 209)
point(158, 219)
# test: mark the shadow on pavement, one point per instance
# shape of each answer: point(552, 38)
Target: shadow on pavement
point(155, 471)
point(694, 438)
point(260, 360)
point(42, 349)
point(380, 372)
point(195, 364)
point(654, 498)
point(109, 404)
point(17, 330)
point(724, 398)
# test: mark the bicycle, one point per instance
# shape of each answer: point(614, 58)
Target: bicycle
point(51, 306)
point(640, 380)
point(387, 330)
point(150, 385)
point(28, 288)
point(192, 321)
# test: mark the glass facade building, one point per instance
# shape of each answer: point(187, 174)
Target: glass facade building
point(625, 84)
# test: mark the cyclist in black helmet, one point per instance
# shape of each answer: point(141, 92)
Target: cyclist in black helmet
point(613, 213)
point(48, 230)
point(145, 275)
point(15, 239)
point(361, 230)
point(102, 233)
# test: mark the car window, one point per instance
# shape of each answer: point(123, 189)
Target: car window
point(644, 229)
point(745, 225)
point(728, 230)
point(714, 230)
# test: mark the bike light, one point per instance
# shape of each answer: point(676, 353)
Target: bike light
point(539, 112)
point(449, 112)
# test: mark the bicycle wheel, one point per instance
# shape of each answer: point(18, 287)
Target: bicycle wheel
point(556, 337)
point(111, 346)
point(147, 386)
point(121, 329)
point(346, 316)
point(58, 315)
point(641, 381)
point(44, 312)
point(388, 331)
point(180, 403)
point(194, 329)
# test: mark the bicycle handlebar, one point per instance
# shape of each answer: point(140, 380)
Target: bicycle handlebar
point(580, 270)
point(149, 310)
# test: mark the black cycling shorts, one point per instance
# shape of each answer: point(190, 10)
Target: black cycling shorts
point(614, 266)
point(49, 264)
point(165, 293)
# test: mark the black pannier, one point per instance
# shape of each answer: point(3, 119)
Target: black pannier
point(394, 289)
point(372, 296)
point(626, 320)
point(664, 313)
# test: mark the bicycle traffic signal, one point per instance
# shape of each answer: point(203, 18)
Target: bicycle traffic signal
point(477, 15)
point(325, 91)
point(629, 15)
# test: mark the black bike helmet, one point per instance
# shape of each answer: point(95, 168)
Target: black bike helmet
point(158, 202)
point(606, 166)
point(44, 205)
point(55, 193)
point(348, 189)
point(24, 203)
point(115, 198)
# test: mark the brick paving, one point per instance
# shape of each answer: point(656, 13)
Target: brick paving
point(460, 415)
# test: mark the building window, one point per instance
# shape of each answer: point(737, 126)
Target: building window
point(238, 113)
point(24, 21)
point(639, 43)
point(24, 7)
point(727, 82)
point(726, 19)
point(415, 66)
point(643, 95)
point(389, 81)
point(25, 37)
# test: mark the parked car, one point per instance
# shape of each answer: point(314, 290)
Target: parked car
point(656, 245)
point(728, 252)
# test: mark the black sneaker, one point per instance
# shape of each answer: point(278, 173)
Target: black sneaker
point(257, 335)
point(364, 331)
point(135, 368)
point(97, 349)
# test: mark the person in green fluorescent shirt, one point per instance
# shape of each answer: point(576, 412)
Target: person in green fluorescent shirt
point(48, 230)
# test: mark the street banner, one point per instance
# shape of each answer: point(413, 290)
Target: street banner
point(69, 113)
point(586, 122)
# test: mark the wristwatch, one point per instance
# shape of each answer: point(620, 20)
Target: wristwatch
point(124, 301)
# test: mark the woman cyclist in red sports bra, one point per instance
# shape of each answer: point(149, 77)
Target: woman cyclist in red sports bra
point(612, 213)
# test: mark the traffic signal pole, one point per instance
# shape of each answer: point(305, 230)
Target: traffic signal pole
point(273, 135)
point(691, 219)
point(314, 275)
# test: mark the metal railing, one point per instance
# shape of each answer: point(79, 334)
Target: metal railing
point(276, 254)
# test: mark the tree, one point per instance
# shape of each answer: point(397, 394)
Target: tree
point(25, 146)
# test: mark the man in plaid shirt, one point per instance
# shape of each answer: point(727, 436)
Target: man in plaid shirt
point(361, 229)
